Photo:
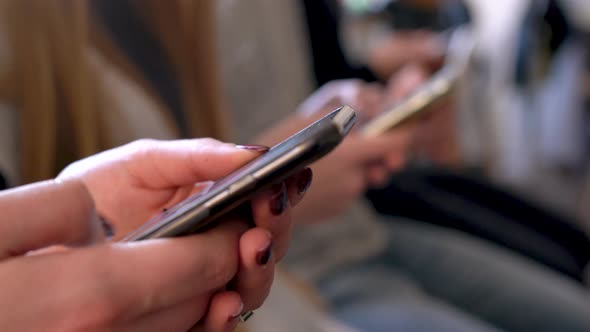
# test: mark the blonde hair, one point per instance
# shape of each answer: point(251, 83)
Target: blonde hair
point(188, 33)
point(54, 88)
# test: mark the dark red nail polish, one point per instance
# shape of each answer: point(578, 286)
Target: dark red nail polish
point(264, 256)
point(279, 200)
point(253, 147)
point(108, 229)
point(304, 180)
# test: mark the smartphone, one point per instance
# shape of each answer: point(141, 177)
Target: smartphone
point(440, 85)
point(203, 209)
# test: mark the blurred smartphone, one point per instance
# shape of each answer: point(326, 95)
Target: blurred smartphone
point(203, 209)
point(439, 86)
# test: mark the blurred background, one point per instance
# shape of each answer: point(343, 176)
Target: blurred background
point(521, 108)
point(524, 111)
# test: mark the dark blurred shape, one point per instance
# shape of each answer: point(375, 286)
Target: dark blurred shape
point(544, 29)
point(474, 205)
point(405, 15)
point(3, 184)
point(329, 62)
point(555, 18)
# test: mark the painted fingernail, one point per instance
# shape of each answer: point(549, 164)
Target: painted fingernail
point(264, 255)
point(107, 228)
point(304, 180)
point(253, 147)
point(279, 200)
point(237, 313)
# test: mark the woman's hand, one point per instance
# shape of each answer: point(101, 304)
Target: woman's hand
point(155, 285)
point(435, 131)
point(166, 284)
point(136, 182)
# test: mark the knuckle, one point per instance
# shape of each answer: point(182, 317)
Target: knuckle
point(209, 141)
point(141, 147)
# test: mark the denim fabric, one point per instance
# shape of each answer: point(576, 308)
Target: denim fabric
point(435, 279)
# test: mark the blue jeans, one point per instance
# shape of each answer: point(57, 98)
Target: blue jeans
point(435, 279)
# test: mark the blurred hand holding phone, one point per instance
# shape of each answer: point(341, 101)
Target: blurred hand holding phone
point(440, 85)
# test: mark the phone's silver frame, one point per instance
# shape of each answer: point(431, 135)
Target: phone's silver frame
point(283, 160)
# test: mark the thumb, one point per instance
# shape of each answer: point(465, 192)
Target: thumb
point(47, 213)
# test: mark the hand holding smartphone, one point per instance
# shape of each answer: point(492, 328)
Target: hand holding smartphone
point(203, 209)
point(440, 85)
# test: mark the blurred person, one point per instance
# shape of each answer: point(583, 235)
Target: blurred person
point(409, 275)
point(332, 255)
point(443, 165)
point(154, 285)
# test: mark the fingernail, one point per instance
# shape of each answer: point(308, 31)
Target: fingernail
point(279, 200)
point(107, 228)
point(237, 313)
point(264, 255)
point(253, 147)
point(304, 180)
